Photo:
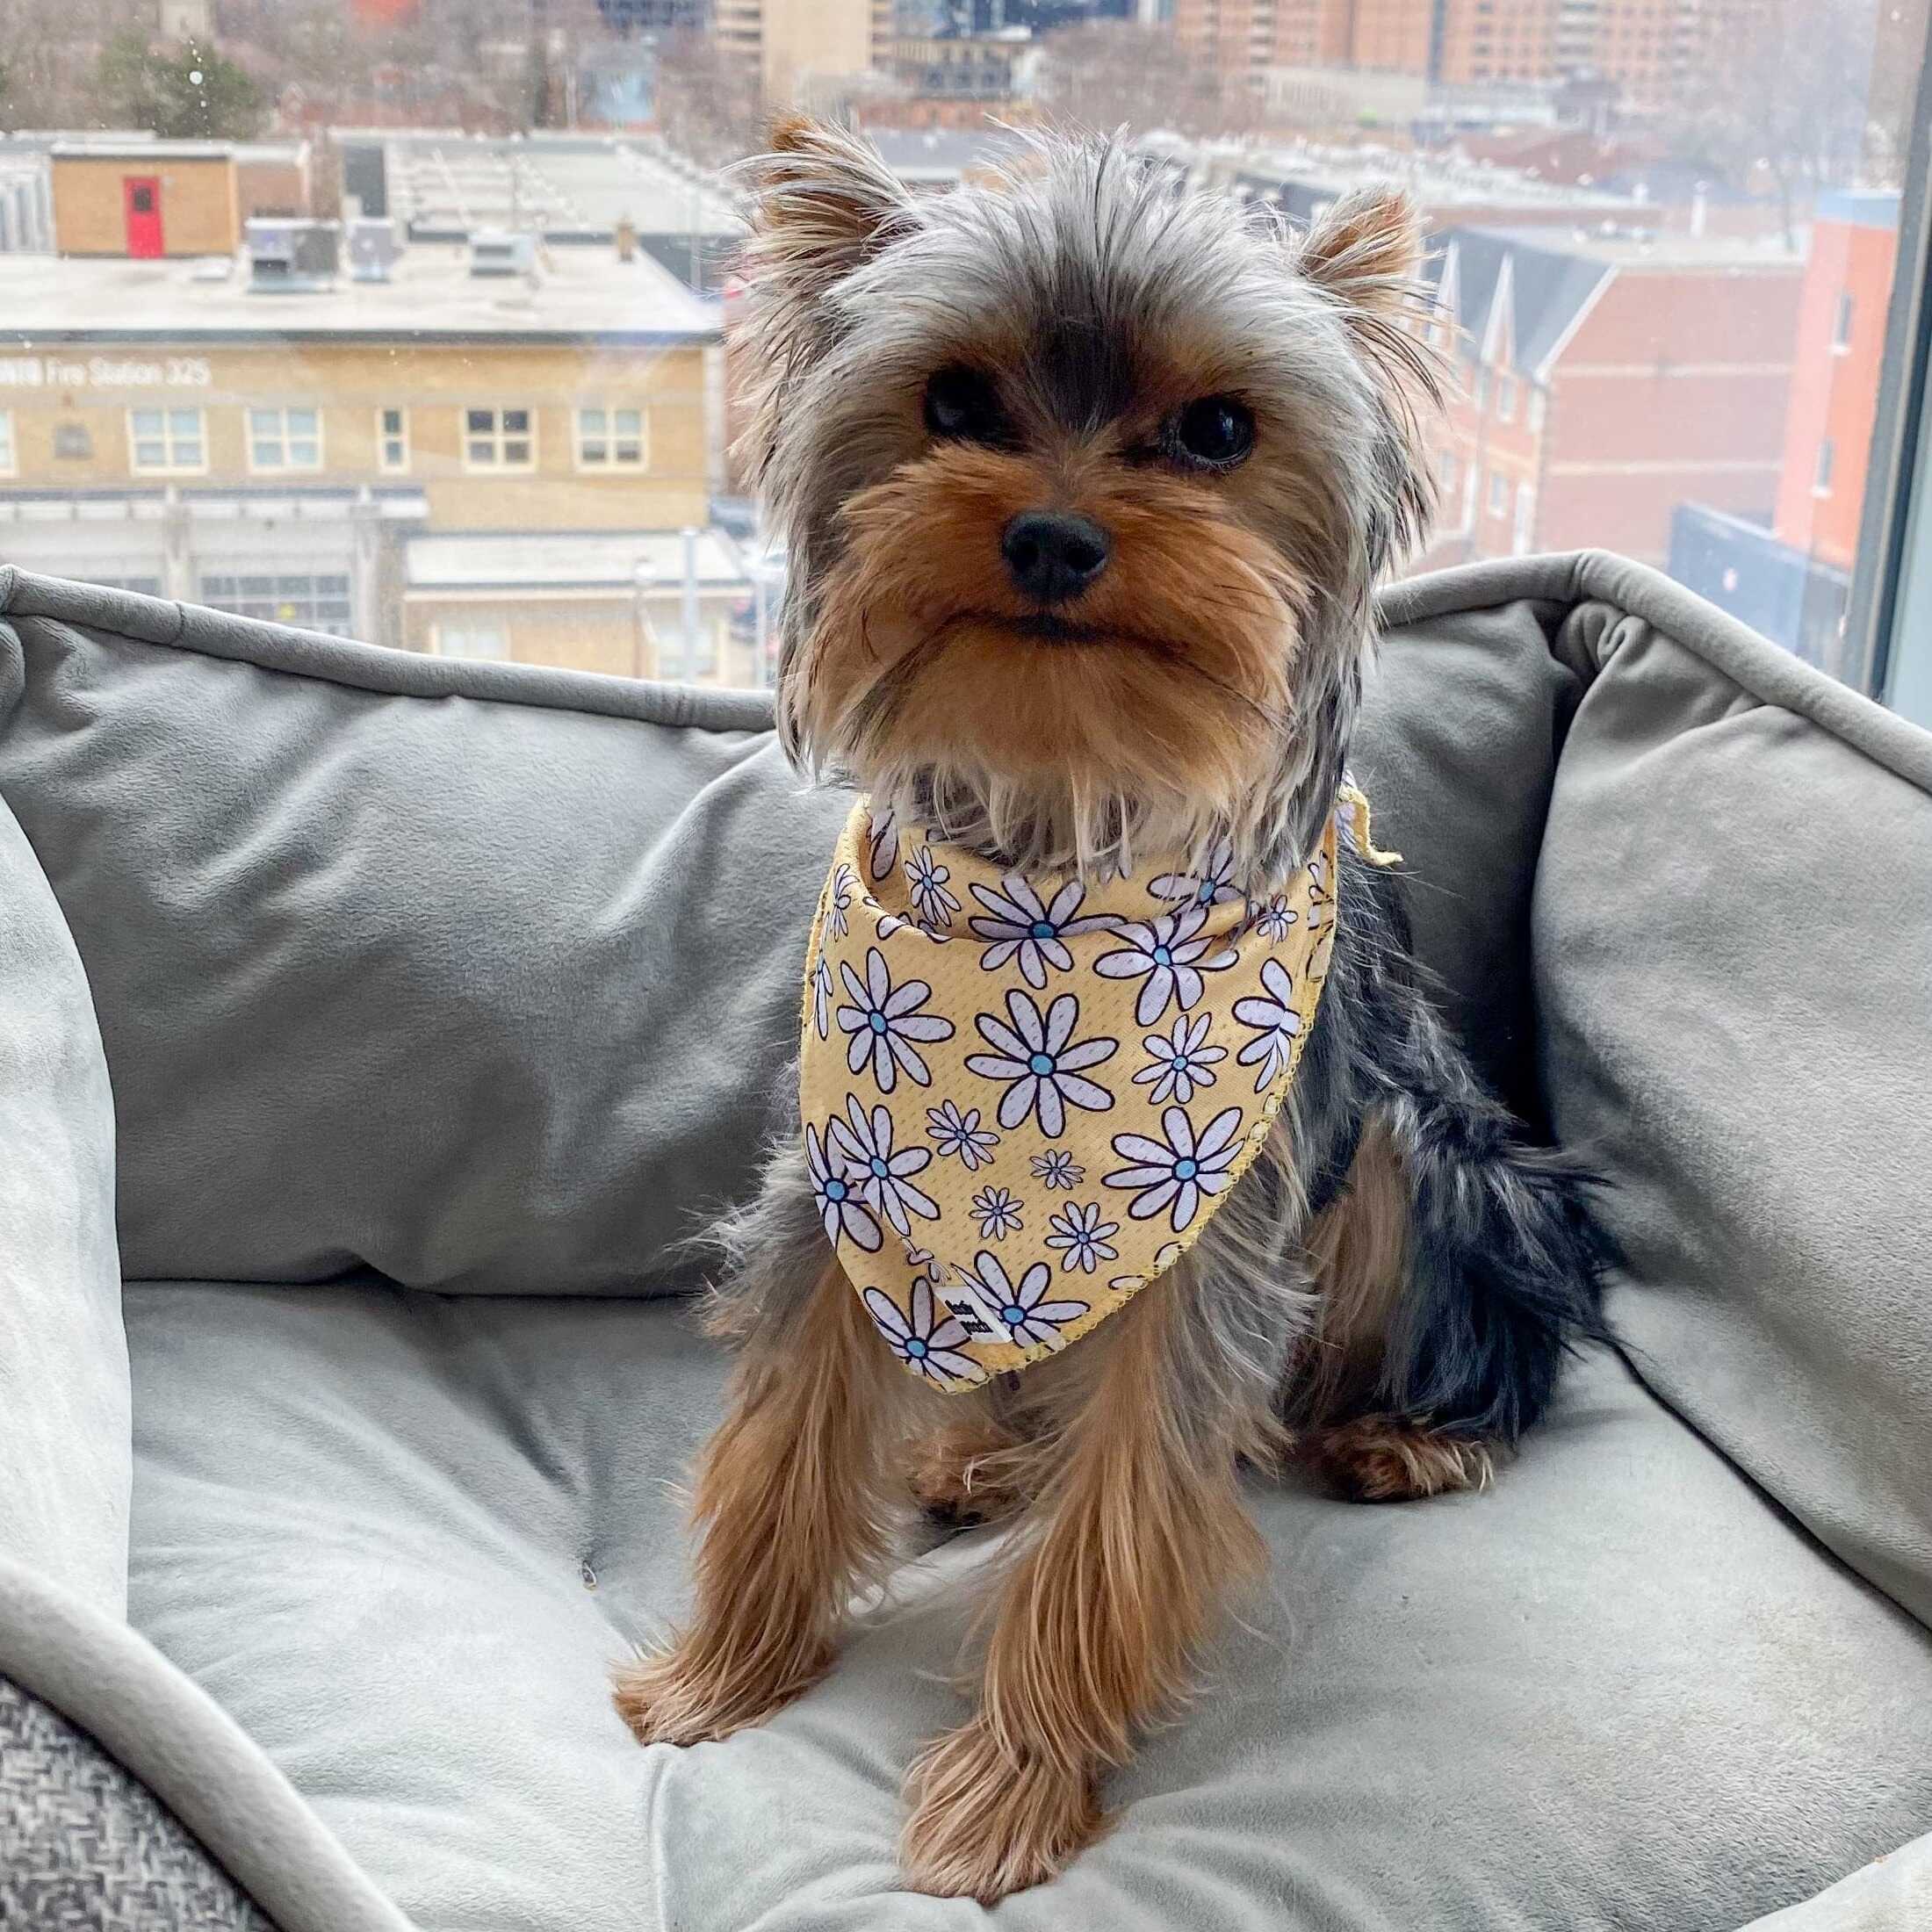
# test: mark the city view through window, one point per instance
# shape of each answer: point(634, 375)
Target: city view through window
point(405, 319)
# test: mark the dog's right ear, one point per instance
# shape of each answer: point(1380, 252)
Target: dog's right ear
point(822, 202)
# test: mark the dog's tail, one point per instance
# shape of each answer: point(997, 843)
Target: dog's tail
point(1506, 1260)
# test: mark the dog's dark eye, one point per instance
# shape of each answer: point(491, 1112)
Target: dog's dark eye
point(1215, 433)
point(960, 405)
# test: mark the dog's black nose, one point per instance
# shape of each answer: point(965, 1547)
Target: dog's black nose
point(1053, 555)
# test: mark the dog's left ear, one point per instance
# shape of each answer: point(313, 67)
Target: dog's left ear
point(1366, 252)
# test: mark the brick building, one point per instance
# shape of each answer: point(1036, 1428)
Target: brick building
point(1834, 387)
point(1606, 380)
point(486, 464)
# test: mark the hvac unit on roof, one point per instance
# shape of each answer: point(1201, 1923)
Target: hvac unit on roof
point(286, 254)
point(497, 251)
point(374, 247)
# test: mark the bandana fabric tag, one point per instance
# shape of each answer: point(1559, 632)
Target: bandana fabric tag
point(1022, 1099)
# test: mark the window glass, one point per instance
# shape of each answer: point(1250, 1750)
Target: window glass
point(456, 275)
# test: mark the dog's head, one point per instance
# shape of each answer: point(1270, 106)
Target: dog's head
point(1086, 484)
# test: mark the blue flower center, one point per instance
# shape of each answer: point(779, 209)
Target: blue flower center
point(1042, 1063)
point(877, 1021)
point(1206, 891)
point(835, 1190)
point(878, 1167)
point(1013, 1316)
point(1163, 956)
point(1185, 1170)
point(915, 1348)
point(1043, 928)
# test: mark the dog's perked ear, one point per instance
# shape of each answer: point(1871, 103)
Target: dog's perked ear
point(822, 203)
point(1365, 252)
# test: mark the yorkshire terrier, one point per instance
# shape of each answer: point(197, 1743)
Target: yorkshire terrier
point(1130, 1148)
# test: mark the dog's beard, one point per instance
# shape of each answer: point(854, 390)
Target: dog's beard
point(1145, 716)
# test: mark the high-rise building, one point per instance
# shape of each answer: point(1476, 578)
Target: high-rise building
point(793, 43)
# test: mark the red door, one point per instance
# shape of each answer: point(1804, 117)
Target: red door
point(142, 202)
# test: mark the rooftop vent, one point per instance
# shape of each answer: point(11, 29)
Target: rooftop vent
point(498, 252)
point(291, 256)
point(374, 247)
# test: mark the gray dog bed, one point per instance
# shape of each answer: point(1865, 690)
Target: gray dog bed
point(371, 1028)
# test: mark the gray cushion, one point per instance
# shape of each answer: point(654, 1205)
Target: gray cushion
point(1618, 1691)
point(418, 964)
point(64, 1459)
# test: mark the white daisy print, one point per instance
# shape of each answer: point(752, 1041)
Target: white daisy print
point(1023, 926)
point(1212, 885)
point(1170, 955)
point(1275, 1021)
point(1057, 1168)
point(926, 880)
point(883, 1021)
point(997, 1210)
point(1179, 1060)
point(1041, 1061)
point(1272, 920)
point(1177, 1173)
point(961, 1134)
point(863, 1144)
point(840, 1209)
point(920, 1338)
point(1023, 1308)
point(821, 997)
point(845, 883)
point(882, 845)
point(1082, 1236)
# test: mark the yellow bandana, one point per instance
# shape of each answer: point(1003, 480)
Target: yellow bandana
point(1023, 1101)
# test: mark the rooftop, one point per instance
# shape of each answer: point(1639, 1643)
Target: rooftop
point(577, 294)
point(572, 560)
point(446, 186)
point(1661, 251)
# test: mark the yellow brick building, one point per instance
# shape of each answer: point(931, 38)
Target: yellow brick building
point(503, 465)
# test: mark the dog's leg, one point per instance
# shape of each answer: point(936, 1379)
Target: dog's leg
point(1138, 1530)
point(971, 1469)
point(1455, 1268)
point(797, 1492)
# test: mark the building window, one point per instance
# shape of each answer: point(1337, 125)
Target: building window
point(1526, 519)
point(1539, 408)
point(1445, 471)
point(284, 439)
point(6, 443)
point(73, 442)
point(392, 441)
point(1827, 456)
point(1499, 492)
point(1482, 388)
point(167, 441)
point(1841, 328)
point(314, 602)
point(470, 637)
point(1505, 398)
point(611, 439)
point(497, 439)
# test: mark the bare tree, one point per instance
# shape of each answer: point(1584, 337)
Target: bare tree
point(49, 49)
point(1107, 73)
point(1785, 100)
point(708, 98)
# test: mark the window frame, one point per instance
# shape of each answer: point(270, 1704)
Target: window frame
point(384, 466)
point(500, 435)
point(167, 411)
point(281, 412)
point(1892, 569)
point(608, 464)
point(1497, 497)
point(497, 625)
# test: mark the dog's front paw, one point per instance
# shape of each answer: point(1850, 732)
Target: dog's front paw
point(983, 1826)
point(1385, 1459)
point(692, 1694)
